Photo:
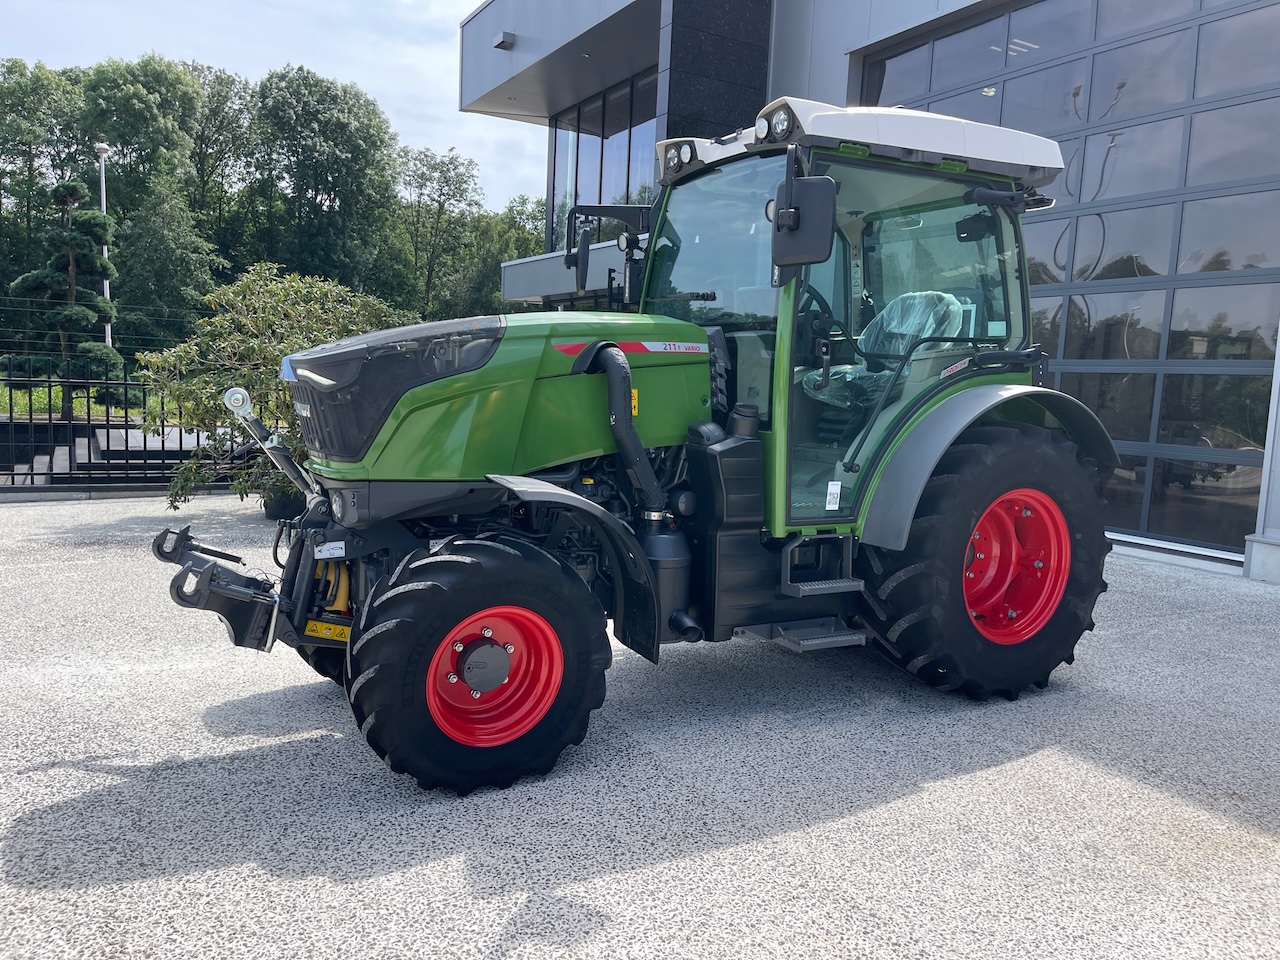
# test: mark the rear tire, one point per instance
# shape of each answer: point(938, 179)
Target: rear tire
point(536, 703)
point(1002, 567)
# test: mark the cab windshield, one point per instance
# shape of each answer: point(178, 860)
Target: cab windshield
point(710, 263)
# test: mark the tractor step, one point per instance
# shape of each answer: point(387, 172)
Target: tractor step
point(828, 553)
point(804, 636)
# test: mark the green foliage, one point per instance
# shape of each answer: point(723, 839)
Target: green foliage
point(257, 321)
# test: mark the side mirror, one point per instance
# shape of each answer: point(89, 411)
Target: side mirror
point(804, 217)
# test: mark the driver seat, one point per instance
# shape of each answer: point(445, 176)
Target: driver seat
point(882, 345)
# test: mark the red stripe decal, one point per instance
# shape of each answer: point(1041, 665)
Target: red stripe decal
point(573, 349)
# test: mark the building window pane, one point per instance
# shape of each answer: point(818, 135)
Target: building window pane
point(1225, 323)
point(1046, 320)
point(1065, 188)
point(1204, 501)
point(1115, 326)
point(1047, 100)
point(1122, 401)
point(1116, 17)
point(1126, 243)
point(1141, 77)
point(1049, 29)
point(644, 132)
point(898, 79)
point(617, 128)
point(975, 105)
point(566, 166)
point(1141, 159)
point(1123, 494)
point(1234, 143)
point(1222, 411)
point(970, 54)
point(1238, 53)
point(1046, 243)
point(1230, 233)
point(590, 131)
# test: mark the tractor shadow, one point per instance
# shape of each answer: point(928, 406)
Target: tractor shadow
point(718, 746)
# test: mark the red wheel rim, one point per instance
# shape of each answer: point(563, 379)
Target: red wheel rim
point(513, 708)
point(1016, 566)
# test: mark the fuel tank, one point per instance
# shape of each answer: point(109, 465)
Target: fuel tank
point(460, 399)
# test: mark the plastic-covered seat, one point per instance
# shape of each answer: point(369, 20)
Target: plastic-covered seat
point(884, 342)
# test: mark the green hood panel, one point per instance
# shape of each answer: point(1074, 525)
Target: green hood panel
point(526, 410)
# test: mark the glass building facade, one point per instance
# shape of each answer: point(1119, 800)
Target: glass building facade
point(602, 151)
point(1156, 276)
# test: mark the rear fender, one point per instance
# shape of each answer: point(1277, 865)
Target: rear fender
point(897, 491)
point(635, 601)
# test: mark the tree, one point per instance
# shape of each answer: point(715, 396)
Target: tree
point(439, 190)
point(328, 150)
point(165, 269)
point(472, 285)
point(74, 243)
point(146, 110)
point(219, 151)
point(256, 321)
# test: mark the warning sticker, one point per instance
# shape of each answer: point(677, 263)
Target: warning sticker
point(635, 402)
point(328, 631)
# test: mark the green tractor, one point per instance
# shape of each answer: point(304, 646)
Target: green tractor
point(823, 424)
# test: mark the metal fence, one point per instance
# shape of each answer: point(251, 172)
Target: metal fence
point(79, 424)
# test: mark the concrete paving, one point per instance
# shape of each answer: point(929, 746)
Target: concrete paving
point(163, 794)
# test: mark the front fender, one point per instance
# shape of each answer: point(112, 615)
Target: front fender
point(635, 612)
point(892, 504)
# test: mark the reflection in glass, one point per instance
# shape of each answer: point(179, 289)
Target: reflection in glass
point(1065, 189)
point(1046, 320)
point(617, 126)
point(975, 105)
point(1125, 243)
point(1122, 401)
point(1205, 501)
point(566, 163)
point(1226, 411)
point(1230, 233)
point(970, 54)
point(1047, 100)
point(1115, 326)
point(1140, 159)
point(1141, 77)
point(1123, 494)
point(1048, 29)
point(1046, 243)
point(1234, 143)
point(1116, 17)
point(1238, 52)
point(590, 132)
point(644, 132)
point(899, 79)
point(1225, 323)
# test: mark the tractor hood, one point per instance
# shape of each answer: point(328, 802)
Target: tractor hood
point(460, 399)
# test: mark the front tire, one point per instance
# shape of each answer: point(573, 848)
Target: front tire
point(477, 666)
point(1002, 567)
point(326, 661)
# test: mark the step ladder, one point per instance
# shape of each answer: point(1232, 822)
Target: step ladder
point(805, 636)
point(820, 544)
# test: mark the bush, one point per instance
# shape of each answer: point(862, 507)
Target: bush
point(257, 321)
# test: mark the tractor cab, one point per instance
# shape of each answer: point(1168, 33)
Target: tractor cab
point(853, 265)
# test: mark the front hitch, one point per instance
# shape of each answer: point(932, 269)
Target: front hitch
point(247, 605)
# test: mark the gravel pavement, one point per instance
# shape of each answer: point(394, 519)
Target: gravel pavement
point(164, 794)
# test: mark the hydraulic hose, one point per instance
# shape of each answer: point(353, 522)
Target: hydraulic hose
point(612, 362)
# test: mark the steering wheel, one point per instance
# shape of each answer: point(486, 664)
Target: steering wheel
point(811, 295)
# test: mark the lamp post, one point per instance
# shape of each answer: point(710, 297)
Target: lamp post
point(102, 150)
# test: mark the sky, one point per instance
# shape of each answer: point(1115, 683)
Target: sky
point(403, 53)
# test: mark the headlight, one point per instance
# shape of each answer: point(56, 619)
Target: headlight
point(335, 504)
point(686, 153)
point(781, 123)
point(762, 128)
point(672, 159)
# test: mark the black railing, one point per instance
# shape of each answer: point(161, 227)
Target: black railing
point(79, 424)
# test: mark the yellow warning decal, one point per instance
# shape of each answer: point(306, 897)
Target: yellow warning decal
point(635, 402)
point(329, 631)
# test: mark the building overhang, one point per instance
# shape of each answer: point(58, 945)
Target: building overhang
point(521, 64)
